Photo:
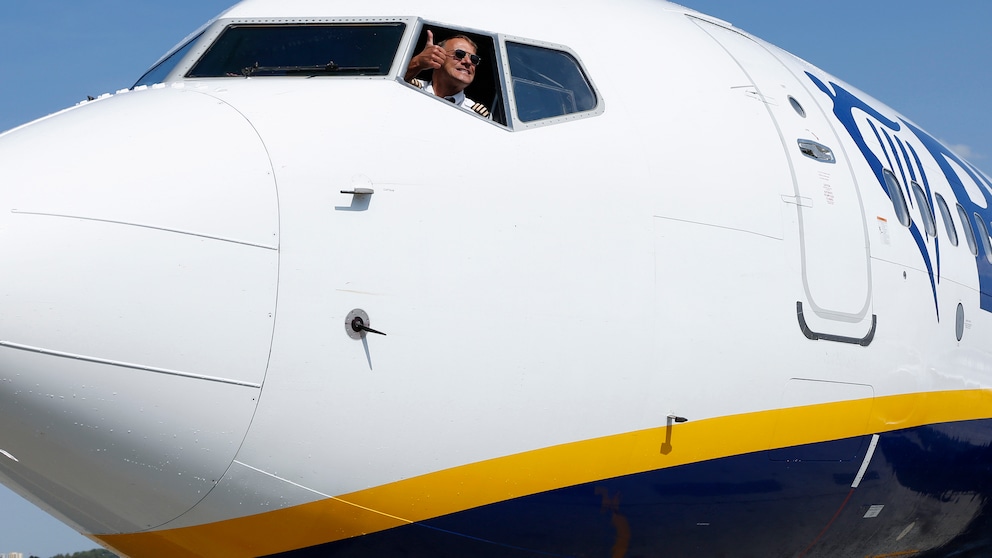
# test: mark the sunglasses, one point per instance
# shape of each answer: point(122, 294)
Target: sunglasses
point(473, 58)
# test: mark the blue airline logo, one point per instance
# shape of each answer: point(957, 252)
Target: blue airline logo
point(898, 141)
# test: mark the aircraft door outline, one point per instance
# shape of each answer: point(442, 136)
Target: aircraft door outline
point(833, 238)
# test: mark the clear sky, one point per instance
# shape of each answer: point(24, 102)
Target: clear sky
point(931, 61)
point(928, 60)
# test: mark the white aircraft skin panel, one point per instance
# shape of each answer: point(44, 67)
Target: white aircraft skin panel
point(829, 221)
point(162, 235)
point(113, 308)
point(558, 300)
point(471, 16)
point(125, 428)
point(154, 259)
point(700, 306)
point(835, 262)
point(422, 302)
point(742, 191)
point(929, 360)
point(161, 185)
point(247, 488)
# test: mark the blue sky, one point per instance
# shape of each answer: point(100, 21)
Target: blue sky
point(928, 60)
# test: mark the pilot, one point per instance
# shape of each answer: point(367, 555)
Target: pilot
point(453, 61)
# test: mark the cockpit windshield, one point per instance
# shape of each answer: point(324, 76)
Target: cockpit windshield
point(307, 50)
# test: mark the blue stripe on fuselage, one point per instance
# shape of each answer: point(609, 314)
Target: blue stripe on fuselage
point(933, 485)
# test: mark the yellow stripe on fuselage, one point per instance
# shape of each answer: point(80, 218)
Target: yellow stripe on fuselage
point(503, 478)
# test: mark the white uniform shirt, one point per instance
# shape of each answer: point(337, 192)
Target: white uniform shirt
point(458, 98)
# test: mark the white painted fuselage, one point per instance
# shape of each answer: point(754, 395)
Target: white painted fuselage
point(714, 239)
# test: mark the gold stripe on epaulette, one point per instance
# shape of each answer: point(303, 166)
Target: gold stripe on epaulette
point(481, 109)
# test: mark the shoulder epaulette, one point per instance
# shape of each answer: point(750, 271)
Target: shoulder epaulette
point(481, 109)
point(417, 83)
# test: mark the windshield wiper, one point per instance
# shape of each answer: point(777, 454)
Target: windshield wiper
point(329, 68)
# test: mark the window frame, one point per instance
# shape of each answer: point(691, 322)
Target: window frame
point(926, 211)
point(199, 42)
point(901, 207)
point(415, 45)
point(982, 231)
point(209, 34)
point(969, 229)
point(176, 55)
point(242, 33)
point(514, 118)
point(945, 215)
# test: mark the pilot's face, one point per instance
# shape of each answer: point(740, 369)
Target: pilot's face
point(461, 71)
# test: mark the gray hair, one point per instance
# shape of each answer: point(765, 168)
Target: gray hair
point(463, 37)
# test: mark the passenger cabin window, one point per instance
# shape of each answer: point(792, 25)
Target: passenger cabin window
point(945, 215)
point(304, 50)
point(969, 232)
point(926, 212)
point(898, 200)
point(983, 235)
point(547, 83)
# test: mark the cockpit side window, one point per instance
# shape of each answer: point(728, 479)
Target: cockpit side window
point(547, 82)
point(486, 86)
point(161, 70)
point(352, 49)
point(523, 82)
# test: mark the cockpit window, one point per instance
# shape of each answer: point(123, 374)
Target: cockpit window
point(485, 88)
point(158, 73)
point(304, 50)
point(519, 83)
point(547, 83)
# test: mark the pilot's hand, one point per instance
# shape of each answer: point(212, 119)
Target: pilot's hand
point(432, 57)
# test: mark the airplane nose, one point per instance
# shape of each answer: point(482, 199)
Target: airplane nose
point(139, 240)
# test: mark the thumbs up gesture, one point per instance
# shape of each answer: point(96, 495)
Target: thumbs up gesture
point(432, 57)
